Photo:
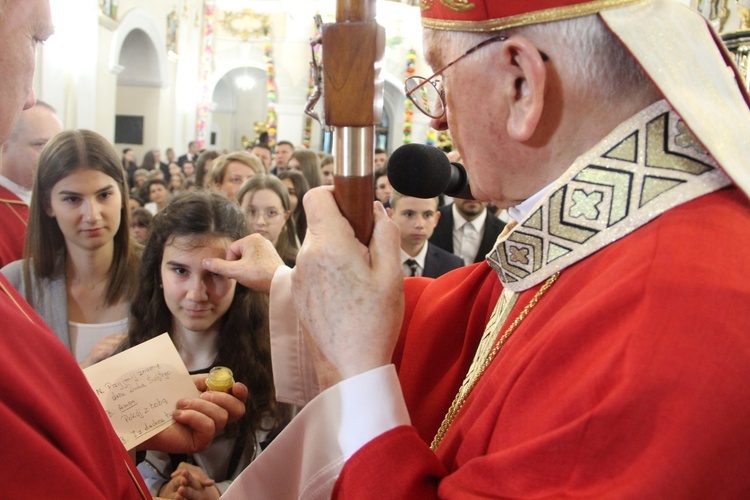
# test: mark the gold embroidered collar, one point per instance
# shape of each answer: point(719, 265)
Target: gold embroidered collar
point(646, 166)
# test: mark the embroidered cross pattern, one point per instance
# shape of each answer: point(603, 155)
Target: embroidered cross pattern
point(649, 164)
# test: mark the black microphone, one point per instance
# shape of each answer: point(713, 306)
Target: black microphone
point(426, 172)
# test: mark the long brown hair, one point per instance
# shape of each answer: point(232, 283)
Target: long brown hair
point(309, 165)
point(45, 244)
point(301, 187)
point(243, 343)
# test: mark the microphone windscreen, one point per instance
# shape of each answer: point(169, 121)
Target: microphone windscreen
point(419, 170)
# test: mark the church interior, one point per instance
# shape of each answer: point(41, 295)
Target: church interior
point(159, 74)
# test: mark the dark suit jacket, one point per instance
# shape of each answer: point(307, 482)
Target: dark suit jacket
point(438, 262)
point(164, 170)
point(182, 159)
point(443, 234)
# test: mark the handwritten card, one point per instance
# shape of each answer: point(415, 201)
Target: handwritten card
point(139, 388)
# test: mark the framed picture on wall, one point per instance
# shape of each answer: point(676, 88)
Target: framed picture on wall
point(128, 129)
point(173, 23)
point(108, 8)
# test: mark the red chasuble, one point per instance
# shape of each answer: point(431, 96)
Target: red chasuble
point(56, 441)
point(14, 214)
point(628, 378)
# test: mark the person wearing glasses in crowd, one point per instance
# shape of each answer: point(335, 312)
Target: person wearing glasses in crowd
point(265, 202)
point(56, 436)
point(602, 350)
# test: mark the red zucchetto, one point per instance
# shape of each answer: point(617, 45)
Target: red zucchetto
point(494, 15)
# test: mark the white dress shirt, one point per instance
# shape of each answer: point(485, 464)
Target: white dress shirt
point(419, 259)
point(18, 190)
point(465, 244)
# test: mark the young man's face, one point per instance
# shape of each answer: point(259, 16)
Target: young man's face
point(264, 155)
point(416, 219)
point(469, 209)
point(283, 153)
point(380, 160)
point(382, 189)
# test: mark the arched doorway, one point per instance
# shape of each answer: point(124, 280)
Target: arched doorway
point(240, 101)
point(141, 74)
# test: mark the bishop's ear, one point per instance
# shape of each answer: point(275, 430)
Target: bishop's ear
point(526, 67)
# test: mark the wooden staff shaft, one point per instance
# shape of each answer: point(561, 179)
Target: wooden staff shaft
point(353, 47)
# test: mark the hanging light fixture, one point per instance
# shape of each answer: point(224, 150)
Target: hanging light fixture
point(245, 82)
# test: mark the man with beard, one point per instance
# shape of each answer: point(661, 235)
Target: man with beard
point(467, 229)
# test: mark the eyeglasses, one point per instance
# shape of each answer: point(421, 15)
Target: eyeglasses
point(269, 214)
point(428, 95)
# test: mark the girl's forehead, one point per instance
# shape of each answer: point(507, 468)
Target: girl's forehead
point(192, 242)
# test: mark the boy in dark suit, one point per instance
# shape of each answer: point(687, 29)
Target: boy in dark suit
point(416, 218)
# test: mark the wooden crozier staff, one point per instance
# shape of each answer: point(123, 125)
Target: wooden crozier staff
point(352, 90)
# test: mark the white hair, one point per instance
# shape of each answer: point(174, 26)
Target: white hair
point(583, 50)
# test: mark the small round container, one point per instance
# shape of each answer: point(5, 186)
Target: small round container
point(220, 378)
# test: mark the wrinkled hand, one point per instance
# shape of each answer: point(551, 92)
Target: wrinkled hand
point(349, 297)
point(103, 349)
point(200, 419)
point(252, 261)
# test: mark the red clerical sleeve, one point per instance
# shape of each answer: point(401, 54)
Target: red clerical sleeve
point(14, 215)
point(56, 440)
point(627, 379)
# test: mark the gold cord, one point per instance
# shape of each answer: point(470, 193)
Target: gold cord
point(458, 401)
point(15, 302)
point(9, 203)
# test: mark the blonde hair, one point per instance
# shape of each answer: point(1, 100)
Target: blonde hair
point(220, 164)
point(396, 197)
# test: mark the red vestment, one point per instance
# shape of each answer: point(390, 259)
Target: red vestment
point(14, 214)
point(627, 379)
point(56, 440)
